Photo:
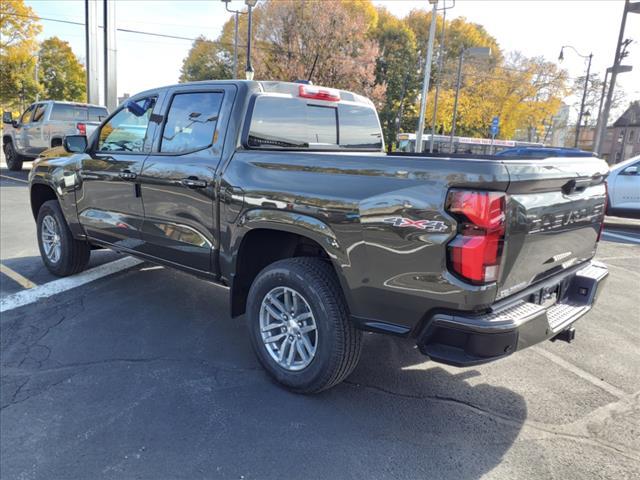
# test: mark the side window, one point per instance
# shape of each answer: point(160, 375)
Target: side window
point(191, 122)
point(38, 115)
point(26, 116)
point(631, 170)
point(127, 129)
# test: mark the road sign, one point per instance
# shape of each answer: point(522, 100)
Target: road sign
point(495, 122)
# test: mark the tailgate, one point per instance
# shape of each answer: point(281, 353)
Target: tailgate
point(554, 212)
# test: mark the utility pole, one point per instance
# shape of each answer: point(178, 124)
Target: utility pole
point(615, 69)
point(248, 72)
point(110, 59)
point(91, 38)
point(427, 76)
point(439, 75)
point(237, 14)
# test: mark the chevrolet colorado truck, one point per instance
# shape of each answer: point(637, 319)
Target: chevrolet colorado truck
point(282, 193)
point(44, 125)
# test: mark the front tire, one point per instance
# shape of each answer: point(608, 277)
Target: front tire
point(62, 254)
point(13, 159)
point(299, 325)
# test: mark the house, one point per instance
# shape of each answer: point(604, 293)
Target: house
point(622, 139)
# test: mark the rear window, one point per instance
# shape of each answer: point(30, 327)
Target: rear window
point(78, 113)
point(278, 122)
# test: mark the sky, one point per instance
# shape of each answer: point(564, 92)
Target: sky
point(533, 27)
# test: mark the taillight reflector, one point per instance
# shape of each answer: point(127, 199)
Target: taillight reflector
point(82, 128)
point(476, 252)
point(319, 93)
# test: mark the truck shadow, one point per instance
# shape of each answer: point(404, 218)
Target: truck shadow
point(144, 375)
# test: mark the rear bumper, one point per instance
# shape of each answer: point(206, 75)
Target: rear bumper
point(463, 339)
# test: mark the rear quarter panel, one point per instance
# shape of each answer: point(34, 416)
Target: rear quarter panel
point(390, 274)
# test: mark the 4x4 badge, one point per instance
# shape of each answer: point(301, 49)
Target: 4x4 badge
point(429, 225)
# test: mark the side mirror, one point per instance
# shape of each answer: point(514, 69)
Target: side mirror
point(7, 118)
point(633, 170)
point(75, 143)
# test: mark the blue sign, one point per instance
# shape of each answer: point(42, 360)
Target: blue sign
point(494, 125)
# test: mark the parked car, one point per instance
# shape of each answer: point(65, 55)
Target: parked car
point(282, 193)
point(44, 125)
point(543, 152)
point(623, 185)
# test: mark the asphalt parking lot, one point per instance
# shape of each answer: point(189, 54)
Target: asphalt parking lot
point(142, 374)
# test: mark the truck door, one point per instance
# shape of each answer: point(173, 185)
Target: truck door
point(178, 178)
point(109, 201)
point(35, 137)
point(22, 131)
point(626, 188)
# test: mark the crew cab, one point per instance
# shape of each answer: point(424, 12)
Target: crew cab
point(44, 125)
point(282, 193)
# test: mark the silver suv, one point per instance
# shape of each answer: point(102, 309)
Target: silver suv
point(44, 125)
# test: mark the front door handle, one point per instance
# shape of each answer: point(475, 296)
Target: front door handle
point(128, 175)
point(193, 182)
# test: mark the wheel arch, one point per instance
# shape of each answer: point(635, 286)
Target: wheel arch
point(272, 235)
point(40, 193)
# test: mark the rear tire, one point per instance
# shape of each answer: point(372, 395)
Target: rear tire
point(62, 254)
point(332, 348)
point(13, 159)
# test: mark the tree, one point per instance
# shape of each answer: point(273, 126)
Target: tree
point(61, 74)
point(206, 60)
point(594, 92)
point(18, 47)
point(292, 37)
point(396, 69)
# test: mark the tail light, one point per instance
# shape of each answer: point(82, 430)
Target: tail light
point(476, 252)
point(82, 128)
point(319, 93)
point(604, 213)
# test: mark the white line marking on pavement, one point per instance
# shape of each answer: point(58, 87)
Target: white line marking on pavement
point(622, 237)
point(13, 178)
point(592, 379)
point(26, 297)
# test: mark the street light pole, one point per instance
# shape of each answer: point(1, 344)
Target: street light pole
point(472, 52)
point(237, 14)
point(586, 86)
point(438, 80)
point(455, 103)
point(628, 7)
point(248, 72)
point(427, 76)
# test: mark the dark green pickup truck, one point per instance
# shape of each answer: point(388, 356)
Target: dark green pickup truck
point(282, 193)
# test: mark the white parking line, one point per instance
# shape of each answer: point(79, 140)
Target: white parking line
point(32, 295)
point(622, 237)
point(13, 178)
point(592, 379)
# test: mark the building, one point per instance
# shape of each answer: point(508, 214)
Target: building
point(587, 138)
point(622, 139)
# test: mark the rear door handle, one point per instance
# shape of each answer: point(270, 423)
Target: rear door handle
point(193, 182)
point(128, 175)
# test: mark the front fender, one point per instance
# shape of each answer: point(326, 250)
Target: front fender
point(59, 174)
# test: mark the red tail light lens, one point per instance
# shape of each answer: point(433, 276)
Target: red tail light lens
point(475, 253)
point(82, 128)
point(319, 93)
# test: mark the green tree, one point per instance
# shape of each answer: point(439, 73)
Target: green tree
point(61, 74)
point(206, 60)
point(18, 47)
point(396, 69)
